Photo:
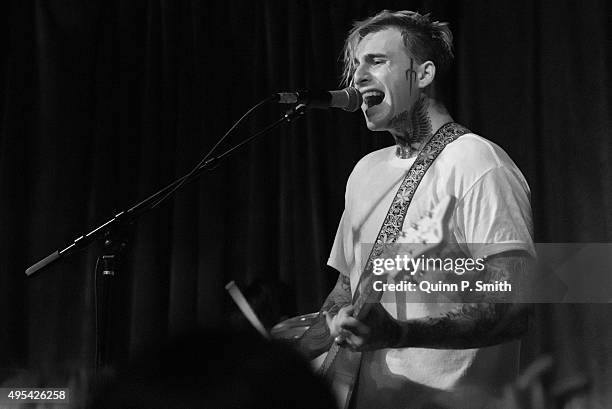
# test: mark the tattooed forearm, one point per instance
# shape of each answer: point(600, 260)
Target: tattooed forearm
point(339, 296)
point(492, 320)
point(411, 128)
point(316, 339)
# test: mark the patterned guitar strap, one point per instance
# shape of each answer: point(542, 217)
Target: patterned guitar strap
point(394, 220)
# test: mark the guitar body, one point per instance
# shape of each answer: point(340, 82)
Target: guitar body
point(342, 374)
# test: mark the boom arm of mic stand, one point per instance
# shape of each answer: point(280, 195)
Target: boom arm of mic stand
point(131, 214)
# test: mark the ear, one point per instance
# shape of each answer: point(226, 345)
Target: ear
point(427, 73)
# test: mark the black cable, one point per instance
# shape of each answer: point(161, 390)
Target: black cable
point(210, 152)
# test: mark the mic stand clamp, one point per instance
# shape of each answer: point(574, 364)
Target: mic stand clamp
point(294, 112)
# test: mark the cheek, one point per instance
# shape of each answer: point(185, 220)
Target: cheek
point(398, 92)
point(400, 99)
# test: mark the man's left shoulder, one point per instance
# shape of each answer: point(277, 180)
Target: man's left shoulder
point(479, 151)
point(472, 156)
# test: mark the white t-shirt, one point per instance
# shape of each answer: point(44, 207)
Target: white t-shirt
point(492, 215)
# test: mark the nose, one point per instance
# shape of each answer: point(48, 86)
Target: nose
point(361, 75)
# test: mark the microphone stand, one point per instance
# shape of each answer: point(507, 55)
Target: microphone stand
point(115, 247)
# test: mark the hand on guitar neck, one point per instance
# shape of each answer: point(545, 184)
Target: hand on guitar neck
point(378, 329)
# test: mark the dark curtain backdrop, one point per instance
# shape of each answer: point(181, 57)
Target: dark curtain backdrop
point(104, 102)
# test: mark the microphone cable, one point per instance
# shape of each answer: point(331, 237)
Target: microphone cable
point(212, 150)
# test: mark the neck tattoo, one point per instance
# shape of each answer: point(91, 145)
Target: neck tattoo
point(411, 128)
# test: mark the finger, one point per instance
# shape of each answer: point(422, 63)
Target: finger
point(343, 336)
point(349, 309)
point(353, 342)
point(346, 311)
point(356, 343)
point(333, 329)
point(355, 326)
point(328, 318)
point(344, 342)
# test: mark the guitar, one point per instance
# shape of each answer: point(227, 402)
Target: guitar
point(341, 365)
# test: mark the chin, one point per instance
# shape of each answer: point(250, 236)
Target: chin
point(377, 125)
point(371, 126)
point(378, 121)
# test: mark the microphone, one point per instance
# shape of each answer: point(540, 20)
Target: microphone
point(348, 98)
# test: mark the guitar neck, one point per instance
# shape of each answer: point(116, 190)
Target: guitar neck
point(367, 295)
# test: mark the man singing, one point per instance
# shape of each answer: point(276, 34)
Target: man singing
point(413, 350)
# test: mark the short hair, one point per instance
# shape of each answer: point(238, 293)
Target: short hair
point(426, 40)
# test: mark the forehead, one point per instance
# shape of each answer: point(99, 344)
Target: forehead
point(388, 41)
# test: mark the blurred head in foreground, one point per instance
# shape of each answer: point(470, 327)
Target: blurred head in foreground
point(216, 369)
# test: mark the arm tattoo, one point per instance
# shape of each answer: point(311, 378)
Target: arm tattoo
point(339, 296)
point(316, 339)
point(491, 320)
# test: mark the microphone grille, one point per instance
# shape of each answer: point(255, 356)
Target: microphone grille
point(354, 99)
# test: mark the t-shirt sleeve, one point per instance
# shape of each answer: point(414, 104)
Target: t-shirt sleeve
point(494, 215)
point(341, 255)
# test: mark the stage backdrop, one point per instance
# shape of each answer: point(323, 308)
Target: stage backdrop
point(104, 102)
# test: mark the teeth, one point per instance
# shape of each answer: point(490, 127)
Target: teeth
point(373, 97)
point(373, 94)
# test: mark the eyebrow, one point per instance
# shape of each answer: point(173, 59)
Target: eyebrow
point(371, 56)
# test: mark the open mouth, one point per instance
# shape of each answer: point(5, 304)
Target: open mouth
point(372, 98)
